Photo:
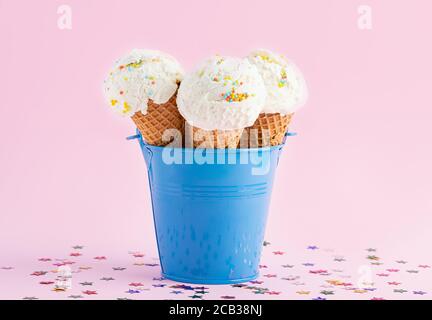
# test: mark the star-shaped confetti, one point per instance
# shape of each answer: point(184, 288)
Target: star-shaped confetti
point(85, 268)
point(75, 254)
point(201, 292)
point(419, 292)
point(131, 291)
point(44, 259)
point(201, 288)
point(100, 258)
point(319, 271)
point(136, 284)
point(327, 292)
point(182, 286)
point(6, 268)
point(400, 290)
point(372, 257)
point(39, 273)
point(107, 279)
point(269, 275)
point(90, 292)
point(273, 293)
point(278, 253)
point(360, 291)
point(301, 292)
point(59, 289)
point(151, 264)
point(317, 288)
point(138, 255)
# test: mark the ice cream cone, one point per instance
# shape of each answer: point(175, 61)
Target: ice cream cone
point(210, 139)
point(159, 118)
point(270, 129)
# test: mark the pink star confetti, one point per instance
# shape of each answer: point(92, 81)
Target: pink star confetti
point(39, 273)
point(278, 253)
point(100, 258)
point(90, 292)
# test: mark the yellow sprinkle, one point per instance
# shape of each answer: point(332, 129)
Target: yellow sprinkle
point(113, 102)
point(283, 80)
point(135, 64)
point(126, 107)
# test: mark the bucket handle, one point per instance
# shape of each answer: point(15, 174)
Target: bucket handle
point(148, 154)
point(135, 136)
point(288, 134)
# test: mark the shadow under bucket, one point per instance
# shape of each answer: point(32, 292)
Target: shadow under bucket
point(210, 210)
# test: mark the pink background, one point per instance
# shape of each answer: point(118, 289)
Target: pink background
point(357, 175)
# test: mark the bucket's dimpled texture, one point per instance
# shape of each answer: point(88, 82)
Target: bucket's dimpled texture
point(209, 219)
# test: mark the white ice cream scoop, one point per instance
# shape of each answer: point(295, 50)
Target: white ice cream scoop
point(140, 76)
point(223, 94)
point(286, 87)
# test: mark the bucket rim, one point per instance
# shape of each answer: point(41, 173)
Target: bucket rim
point(210, 150)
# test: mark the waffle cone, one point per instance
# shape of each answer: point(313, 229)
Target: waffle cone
point(211, 139)
point(270, 129)
point(159, 118)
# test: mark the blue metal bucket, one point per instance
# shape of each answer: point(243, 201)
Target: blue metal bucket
point(210, 218)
